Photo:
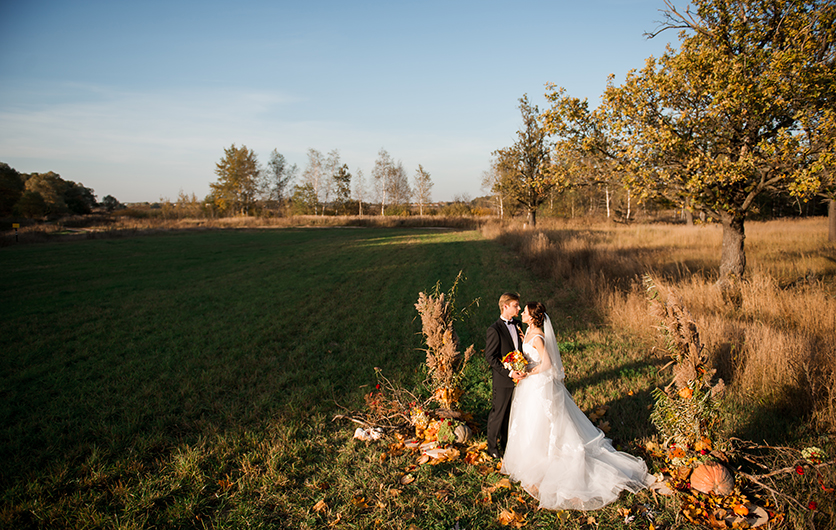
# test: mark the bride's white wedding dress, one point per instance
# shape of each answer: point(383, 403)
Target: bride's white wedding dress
point(554, 450)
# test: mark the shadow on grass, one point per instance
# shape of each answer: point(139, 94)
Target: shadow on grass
point(178, 337)
point(627, 415)
point(780, 422)
point(620, 266)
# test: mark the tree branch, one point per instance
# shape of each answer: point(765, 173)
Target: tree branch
point(676, 20)
point(773, 491)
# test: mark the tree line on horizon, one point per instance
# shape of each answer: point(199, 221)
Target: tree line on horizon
point(325, 185)
point(40, 195)
point(739, 121)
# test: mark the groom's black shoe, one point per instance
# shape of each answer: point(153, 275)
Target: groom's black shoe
point(494, 454)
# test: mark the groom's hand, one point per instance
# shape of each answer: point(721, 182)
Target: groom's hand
point(517, 375)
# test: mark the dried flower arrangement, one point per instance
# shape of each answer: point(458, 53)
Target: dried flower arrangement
point(698, 461)
point(444, 361)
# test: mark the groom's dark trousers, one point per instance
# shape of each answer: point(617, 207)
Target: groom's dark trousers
point(498, 343)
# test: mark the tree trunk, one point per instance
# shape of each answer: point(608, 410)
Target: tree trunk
point(607, 192)
point(733, 257)
point(532, 217)
point(831, 219)
point(688, 213)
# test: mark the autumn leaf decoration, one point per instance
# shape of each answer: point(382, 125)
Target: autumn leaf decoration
point(511, 518)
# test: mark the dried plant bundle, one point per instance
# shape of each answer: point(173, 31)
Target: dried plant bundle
point(687, 410)
point(444, 360)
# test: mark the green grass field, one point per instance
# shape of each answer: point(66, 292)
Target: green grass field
point(190, 380)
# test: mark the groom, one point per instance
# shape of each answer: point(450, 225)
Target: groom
point(503, 337)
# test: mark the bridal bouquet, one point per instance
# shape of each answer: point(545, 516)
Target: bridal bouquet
point(515, 360)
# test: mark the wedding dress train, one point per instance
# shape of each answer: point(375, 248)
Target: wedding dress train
point(554, 450)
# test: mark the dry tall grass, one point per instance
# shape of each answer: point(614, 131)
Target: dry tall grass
point(777, 348)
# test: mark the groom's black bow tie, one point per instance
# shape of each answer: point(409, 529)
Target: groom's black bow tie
point(509, 322)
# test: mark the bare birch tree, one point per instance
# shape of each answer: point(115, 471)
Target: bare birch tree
point(313, 175)
point(332, 168)
point(422, 185)
point(400, 192)
point(278, 177)
point(492, 182)
point(382, 175)
point(360, 191)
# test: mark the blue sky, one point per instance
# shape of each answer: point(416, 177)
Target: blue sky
point(139, 99)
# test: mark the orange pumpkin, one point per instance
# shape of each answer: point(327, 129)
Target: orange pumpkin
point(712, 477)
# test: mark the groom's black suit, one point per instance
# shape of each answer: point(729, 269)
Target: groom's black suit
point(499, 343)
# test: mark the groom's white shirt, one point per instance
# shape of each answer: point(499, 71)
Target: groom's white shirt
point(512, 329)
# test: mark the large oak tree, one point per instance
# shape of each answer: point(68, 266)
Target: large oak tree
point(745, 106)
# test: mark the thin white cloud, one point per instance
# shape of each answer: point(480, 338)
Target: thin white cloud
point(115, 126)
point(171, 140)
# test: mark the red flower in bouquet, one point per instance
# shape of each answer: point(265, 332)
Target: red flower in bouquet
point(515, 360)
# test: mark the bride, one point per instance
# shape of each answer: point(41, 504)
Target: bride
point(554, 451)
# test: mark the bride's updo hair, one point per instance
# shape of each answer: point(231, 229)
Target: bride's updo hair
point(537, 311)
